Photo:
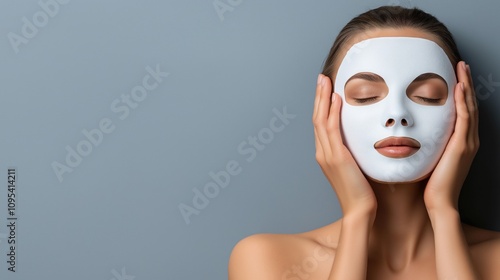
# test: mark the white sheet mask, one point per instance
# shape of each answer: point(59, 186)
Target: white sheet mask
point(398, 60)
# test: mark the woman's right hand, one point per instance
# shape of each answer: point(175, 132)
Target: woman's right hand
point(354, 193)
point(353, 190)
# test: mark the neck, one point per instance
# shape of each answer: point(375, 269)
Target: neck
point(402, 231)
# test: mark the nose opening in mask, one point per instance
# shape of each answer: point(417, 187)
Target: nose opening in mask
point(390, 122)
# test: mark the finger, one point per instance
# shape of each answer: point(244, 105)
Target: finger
point(462, 123)
point(317, 97)
point(464, 76)
point(316, 119)
point(475, 108)
point(323, 91)
point(321, 114)
point(334, 123)
point(471, 83)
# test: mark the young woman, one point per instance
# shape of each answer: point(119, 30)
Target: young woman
point(396, 155)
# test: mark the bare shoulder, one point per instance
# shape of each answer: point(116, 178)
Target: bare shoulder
point(283, 256)
point(485, 250)
point(266, 256)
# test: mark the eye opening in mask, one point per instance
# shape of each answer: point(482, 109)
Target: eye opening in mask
point(365, 88)
point(428, 89)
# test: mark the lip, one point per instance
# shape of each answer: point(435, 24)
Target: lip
point(397, 147)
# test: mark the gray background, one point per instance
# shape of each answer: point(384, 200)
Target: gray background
point(117, 213)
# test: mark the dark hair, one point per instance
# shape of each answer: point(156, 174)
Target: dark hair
point(392, 17)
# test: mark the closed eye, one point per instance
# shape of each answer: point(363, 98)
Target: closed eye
point(365, 100)
point(428, 89)
point(365, 88)
point(429, 100)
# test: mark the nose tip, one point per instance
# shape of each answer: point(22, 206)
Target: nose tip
point(396, 112)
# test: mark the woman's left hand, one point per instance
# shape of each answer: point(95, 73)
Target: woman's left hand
point(445, 183)
point(452, 251)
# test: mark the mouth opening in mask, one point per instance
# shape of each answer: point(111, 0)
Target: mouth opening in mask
point(397, 147)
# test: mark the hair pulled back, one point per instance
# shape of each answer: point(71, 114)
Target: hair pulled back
point(392, 17)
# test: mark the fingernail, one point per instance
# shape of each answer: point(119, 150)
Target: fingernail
point(320, 78)
point(464, 65)
point(468, 68)
point(462, 86)
point(334, 96)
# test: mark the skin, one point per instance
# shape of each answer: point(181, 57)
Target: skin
point(397, 231)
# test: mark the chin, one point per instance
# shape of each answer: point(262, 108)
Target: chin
point(422, 179)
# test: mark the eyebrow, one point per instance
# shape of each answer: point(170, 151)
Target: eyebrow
point(371, 77)
point(428, 76)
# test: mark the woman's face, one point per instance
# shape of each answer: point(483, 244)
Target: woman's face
point(398, 110)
